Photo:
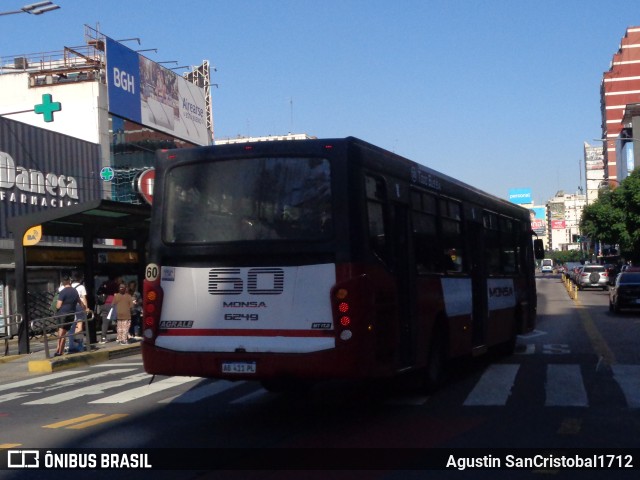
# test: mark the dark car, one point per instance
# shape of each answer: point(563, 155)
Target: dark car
point(570, 269)
point(625, 292)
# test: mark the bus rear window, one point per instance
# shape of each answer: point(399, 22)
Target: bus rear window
point(248, 200)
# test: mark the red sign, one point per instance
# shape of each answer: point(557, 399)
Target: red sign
point(144, 184)
point(558, 224)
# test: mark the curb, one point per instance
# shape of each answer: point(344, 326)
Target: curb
point(78, 359)
point(9, 358)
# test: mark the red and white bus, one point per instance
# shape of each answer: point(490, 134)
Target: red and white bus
point(294, 261)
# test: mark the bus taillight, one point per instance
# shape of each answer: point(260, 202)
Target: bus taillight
point(342, 310)
point(152, 305)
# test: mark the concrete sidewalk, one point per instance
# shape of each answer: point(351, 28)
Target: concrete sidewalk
point(14, 367)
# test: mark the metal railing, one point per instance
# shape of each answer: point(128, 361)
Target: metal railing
point(5, 330)
point(50, 325)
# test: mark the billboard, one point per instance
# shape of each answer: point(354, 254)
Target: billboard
point(520, 195)
point(145, 92)
point(538, 220)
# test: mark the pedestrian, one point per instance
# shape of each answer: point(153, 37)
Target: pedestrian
point(105, 300)
point(123, 303)
point(68, 298)
point(136, 311)
point(76, 337)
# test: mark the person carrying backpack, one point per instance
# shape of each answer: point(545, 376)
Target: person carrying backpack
point(68, 298)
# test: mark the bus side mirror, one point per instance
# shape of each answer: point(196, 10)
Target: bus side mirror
point(538, 249)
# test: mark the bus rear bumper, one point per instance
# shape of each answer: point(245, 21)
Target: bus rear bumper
point(323, 365)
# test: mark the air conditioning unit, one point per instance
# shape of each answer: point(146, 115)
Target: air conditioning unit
point(20, 63)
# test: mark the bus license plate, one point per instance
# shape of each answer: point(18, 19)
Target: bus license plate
point(239, 367)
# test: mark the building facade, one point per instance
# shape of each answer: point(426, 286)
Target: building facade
point(594, 171)
point(564, 212)
point(620, 86)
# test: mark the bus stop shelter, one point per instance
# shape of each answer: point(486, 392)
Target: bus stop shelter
point(97, 219)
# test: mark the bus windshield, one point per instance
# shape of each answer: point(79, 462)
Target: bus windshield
point(248, 199)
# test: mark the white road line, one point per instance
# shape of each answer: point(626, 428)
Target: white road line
point(255, 397)
point(90, 390)
point(494, 387)
point(145, 390)
point(565, 387)
point(628, 377)
point(42, 379)
point(198, 393)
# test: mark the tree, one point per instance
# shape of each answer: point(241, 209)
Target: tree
point(614, 218)
point(627, 198)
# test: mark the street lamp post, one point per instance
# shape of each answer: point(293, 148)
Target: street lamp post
point(34, 8)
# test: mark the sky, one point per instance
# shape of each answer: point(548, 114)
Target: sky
point(501, 94)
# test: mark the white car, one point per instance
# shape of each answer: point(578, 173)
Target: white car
point(547, 265)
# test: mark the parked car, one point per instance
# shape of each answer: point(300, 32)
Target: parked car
point(592, 276)
point(625, 293)
point(570, 269)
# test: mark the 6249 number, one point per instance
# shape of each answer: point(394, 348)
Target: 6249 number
point(253, 317)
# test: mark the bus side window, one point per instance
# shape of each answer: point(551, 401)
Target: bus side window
point(452, 238)
point(492, 243)
point(375, 214)
point(425, 233)
point(509, 244)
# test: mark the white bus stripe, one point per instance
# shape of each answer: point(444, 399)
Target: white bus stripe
point(628, 377)
point(145, 390)
point(564, 387)
point(197, 394)
point(494, 387)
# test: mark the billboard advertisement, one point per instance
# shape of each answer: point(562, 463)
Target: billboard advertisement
point(538, 220)
point(558, 224)
point(145, 92)
point(520, 195)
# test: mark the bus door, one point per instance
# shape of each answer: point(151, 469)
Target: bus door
point(405, 278)
point(478, 284)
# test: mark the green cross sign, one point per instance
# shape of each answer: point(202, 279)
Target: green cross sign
point(107, 174)
point(47, 107)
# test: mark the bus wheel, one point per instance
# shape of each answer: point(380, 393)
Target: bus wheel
point(436, 371)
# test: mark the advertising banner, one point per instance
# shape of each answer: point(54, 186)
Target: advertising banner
point(538, 220)
point(558, 224)
point(520, 195)
point(145, 92)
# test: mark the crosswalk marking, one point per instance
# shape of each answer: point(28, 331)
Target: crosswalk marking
point(253, 397)
point(564, 387)
point(145, 390)
point(41, 379)
point(628, 377)
point(89, 390)
point(494, 387)
point(199, 393)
